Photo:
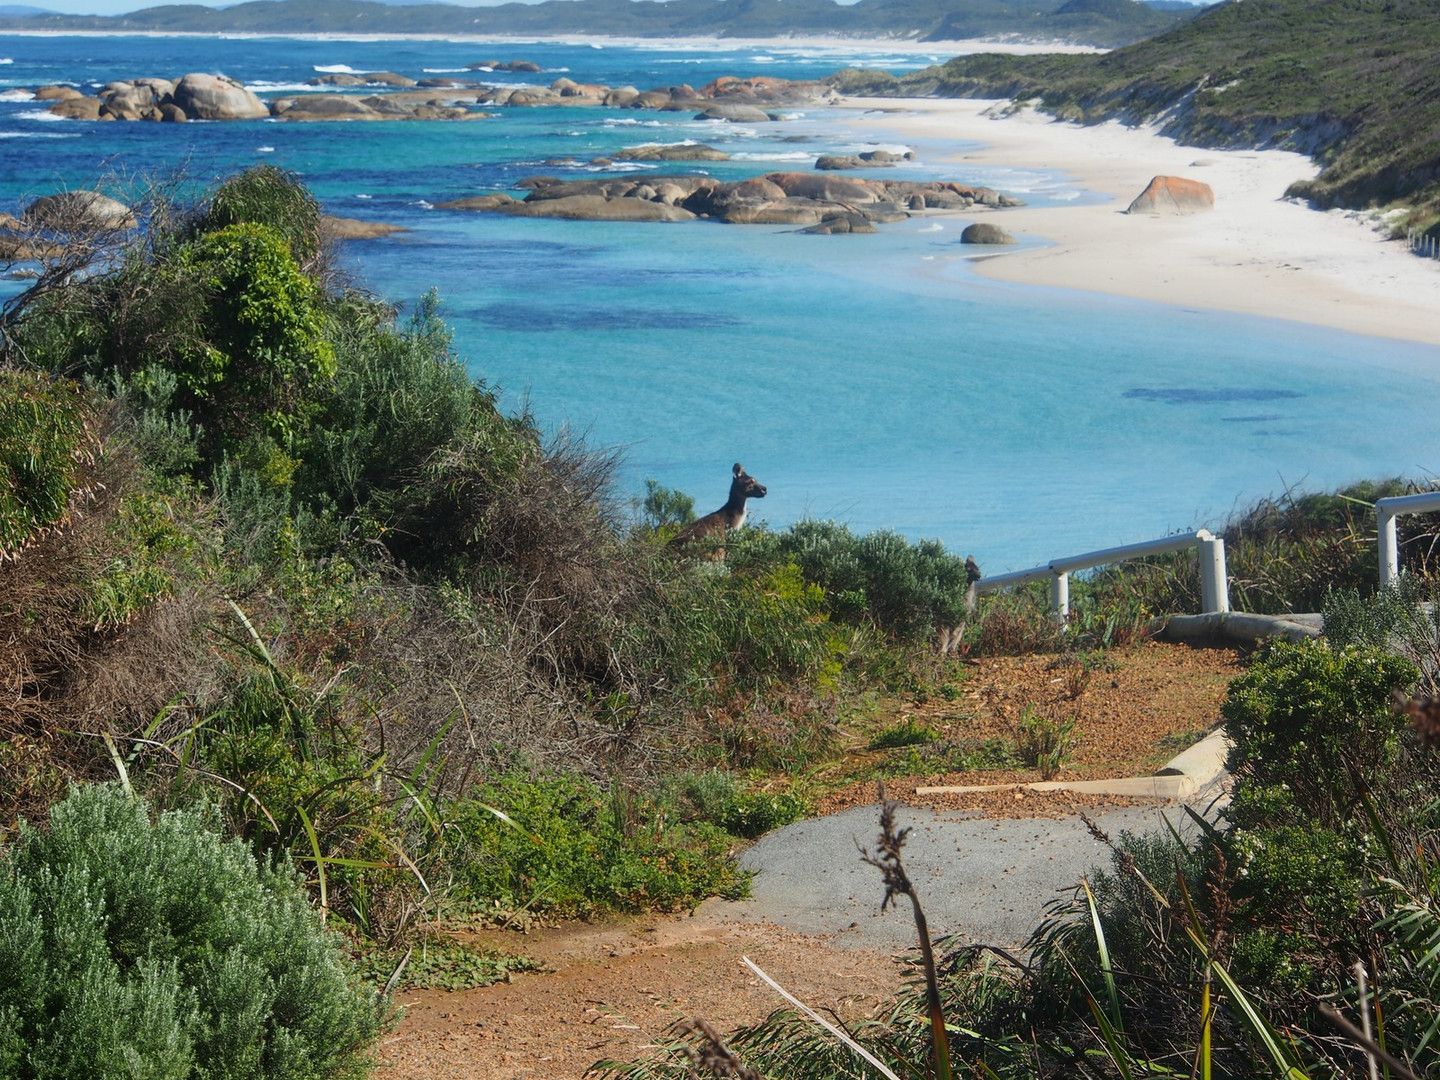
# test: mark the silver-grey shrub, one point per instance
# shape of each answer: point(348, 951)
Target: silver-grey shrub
point(159, 950)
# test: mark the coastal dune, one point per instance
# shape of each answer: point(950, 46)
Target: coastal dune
point(1255, 253)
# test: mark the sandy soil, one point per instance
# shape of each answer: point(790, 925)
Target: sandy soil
point(614, 989)
point(1255, 253)
point(1132, 714)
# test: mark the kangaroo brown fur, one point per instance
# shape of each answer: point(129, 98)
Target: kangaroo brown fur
point(950, 636)
point(712, 527)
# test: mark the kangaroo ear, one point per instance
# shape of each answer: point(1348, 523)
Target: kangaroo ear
point(738, 470)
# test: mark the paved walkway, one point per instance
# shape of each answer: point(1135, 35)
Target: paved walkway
point(987, 880)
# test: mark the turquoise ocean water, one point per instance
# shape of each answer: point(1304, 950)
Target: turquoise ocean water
point(871, 379)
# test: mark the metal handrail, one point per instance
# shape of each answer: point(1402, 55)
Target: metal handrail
point(1386, 511)
point(1214, 585)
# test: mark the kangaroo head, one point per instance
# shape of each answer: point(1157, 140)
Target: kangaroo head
point(744, 486)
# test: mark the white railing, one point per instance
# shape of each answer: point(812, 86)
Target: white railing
point(1214, 586)
point(1386, 511)
point(1420, 244)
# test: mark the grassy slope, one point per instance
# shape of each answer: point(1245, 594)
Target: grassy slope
point(1353, 82)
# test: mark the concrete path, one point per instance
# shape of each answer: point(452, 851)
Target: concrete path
point(987, 880)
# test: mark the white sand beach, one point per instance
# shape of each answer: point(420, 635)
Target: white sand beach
point(1255, 253)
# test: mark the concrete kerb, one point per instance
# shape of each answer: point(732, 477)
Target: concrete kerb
point(1190, 771)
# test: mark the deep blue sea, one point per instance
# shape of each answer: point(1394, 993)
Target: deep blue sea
point(872, 379)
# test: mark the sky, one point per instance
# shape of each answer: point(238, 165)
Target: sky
point(124, 7)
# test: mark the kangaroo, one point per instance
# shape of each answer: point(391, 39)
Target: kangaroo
point(949, 636)
point(712, 527)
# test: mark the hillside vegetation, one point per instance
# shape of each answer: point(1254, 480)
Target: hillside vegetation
point(1109, 23)
point(278, 568)
point(1352, 82)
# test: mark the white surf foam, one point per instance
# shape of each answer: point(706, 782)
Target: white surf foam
point(16, 95)
point(791, 156)
point(338, 69)
point(38, 114)
point(260, 86)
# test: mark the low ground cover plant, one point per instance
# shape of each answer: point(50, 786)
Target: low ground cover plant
point(567, 847)
point(134, 947)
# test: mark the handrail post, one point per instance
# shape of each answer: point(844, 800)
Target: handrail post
point(1389, 546)
point(1214, 583)
point(1060, 596)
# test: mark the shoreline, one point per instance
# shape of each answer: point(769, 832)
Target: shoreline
point(1255, 253)
point(947, 49)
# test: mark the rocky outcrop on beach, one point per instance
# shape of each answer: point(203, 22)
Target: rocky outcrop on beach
point(344, 228)
point(407, 105)
point(869, 159)
point(821, 204)
point(77, 211)
point(368, 78)
point(505, 65)
point(56, 93)
point(53, 222)
point(736, 114)
point(214, 97)
point(1173, 195)
point(673, 152)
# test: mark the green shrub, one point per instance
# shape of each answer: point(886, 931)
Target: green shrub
point(271, 197)
point(1297, 889)
point(665, 511)
point(263, 349)
point(908, 732)
point(716, 635)
point(439, 963)
point(715, 796)
point(754, 813)
point(45, 444)
point(1044, 743)
point(134, 948)
point(398, 398)
point(1403, 618)
point(906, 589)
point(571, 848)
point(1310, 718)
point(156, 546)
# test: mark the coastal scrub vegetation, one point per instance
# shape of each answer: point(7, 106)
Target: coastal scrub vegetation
point(1293, 937)
point(1350, 82)
point(276, 560)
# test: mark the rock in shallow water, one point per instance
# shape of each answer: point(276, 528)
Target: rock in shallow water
point(983, 232)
